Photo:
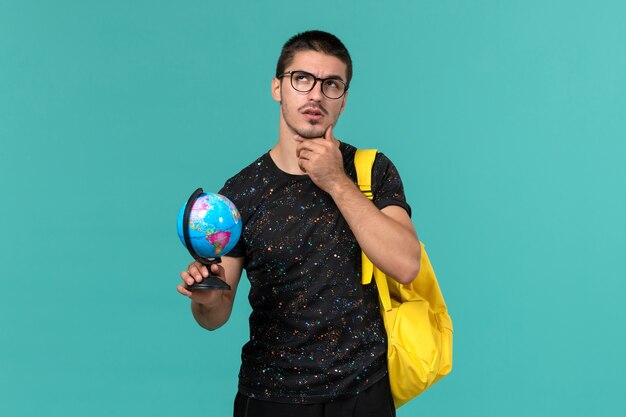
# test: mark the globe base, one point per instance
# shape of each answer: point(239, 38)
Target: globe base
point(211, 282)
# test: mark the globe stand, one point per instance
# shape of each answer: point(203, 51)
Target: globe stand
point(212, 282)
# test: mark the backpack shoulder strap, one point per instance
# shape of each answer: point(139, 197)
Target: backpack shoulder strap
point(364, 161)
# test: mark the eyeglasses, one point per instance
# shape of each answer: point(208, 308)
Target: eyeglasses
point(304, 82)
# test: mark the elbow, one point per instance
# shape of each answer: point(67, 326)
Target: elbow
point(411, 269)
point(409, 276)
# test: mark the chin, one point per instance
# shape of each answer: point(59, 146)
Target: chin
point(311, 132)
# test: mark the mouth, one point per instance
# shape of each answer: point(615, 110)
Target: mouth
point(313, 113)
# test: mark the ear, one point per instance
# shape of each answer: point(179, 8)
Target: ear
point(276, 94)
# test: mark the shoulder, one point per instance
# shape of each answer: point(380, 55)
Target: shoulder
point(348, 151)
point(247, 174)
point(240, 186)
point(382, 163)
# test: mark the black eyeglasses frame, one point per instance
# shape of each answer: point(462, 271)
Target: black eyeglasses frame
point(321, 80)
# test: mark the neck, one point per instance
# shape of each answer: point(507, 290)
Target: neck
point(284, 152)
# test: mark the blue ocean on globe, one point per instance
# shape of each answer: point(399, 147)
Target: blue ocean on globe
point(214, 225)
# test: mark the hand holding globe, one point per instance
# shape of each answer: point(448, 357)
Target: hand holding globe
point(209, 226)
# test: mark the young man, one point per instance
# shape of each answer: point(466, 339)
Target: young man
point(317, 343)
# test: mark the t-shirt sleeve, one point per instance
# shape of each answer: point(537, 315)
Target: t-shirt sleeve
point(228, 191)
point(387, 185)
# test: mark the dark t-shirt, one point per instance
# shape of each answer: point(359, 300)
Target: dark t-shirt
point(315, 330)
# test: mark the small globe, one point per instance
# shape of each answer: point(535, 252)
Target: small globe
point(214, 225)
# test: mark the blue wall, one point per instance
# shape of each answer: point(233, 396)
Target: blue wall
point(506, 121)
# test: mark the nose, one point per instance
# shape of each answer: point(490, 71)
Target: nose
point(316, 92)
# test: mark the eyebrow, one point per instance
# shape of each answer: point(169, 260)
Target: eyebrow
point(330, 77)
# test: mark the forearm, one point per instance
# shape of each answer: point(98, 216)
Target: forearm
point(390, 244)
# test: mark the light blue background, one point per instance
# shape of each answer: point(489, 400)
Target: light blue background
point(506, 121)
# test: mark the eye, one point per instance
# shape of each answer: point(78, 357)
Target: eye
point(302, 77)
point(332, 84)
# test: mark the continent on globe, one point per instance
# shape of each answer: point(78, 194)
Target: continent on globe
point(214, 225)
point(219, 240)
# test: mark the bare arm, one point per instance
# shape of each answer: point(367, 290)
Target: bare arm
point(212, 308)
point(386, 236)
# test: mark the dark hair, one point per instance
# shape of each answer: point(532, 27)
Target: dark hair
point(314, 40)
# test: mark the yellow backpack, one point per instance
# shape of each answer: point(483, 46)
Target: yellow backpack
point(419, 329)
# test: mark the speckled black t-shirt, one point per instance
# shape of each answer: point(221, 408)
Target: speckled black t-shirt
point(315, 332)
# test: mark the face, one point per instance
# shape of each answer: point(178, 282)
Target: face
point(309, 114)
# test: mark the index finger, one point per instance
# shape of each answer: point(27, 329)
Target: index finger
point(328, 135)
